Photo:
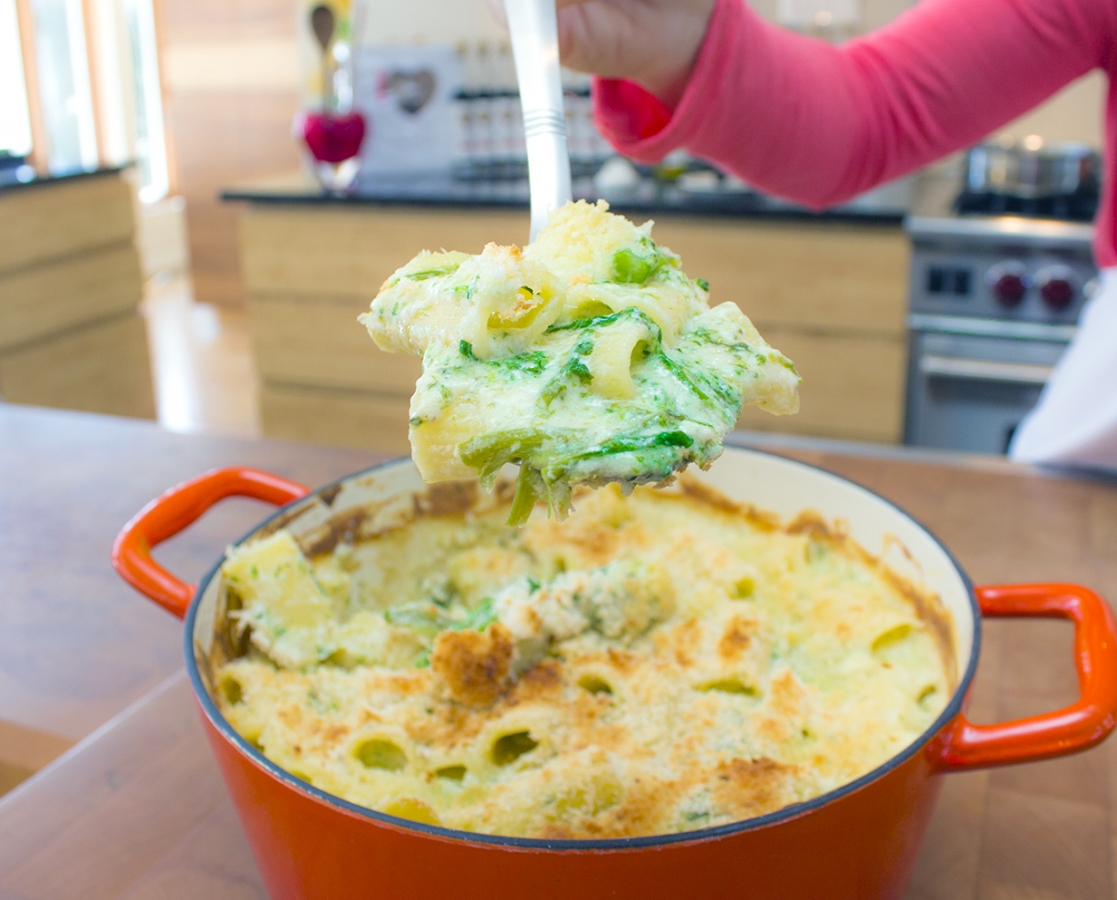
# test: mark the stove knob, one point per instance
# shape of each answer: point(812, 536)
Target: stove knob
point(1008, 283)
point(1058, 286)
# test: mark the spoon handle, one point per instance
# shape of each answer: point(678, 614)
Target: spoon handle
point(534, 30)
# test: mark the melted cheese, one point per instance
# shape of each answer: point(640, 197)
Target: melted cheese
point(587, 358)
point(653, 664)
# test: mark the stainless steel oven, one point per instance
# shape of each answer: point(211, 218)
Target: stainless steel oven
point(969, 391)
point(993, 304)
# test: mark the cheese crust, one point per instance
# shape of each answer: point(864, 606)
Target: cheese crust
point(588, 357)
point(653, 664)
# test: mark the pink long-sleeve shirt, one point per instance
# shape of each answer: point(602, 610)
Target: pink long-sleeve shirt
point(818, 123)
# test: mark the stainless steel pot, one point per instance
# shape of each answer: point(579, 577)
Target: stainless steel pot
point(1032, 168)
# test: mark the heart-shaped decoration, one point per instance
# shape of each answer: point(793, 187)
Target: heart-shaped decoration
point(333, 137)
point(412, 90)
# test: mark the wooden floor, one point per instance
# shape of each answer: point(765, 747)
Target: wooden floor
point(202, 357)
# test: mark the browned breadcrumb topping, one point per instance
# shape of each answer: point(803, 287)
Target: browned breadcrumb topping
point(474, 665)
point(707, 717)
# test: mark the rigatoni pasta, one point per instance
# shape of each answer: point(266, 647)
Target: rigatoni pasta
point(653, 664)
point(587, 357)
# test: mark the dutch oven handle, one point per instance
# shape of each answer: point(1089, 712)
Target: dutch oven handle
point(167, 515)
point(1078, 726)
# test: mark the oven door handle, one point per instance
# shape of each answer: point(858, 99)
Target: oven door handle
point(984, 369)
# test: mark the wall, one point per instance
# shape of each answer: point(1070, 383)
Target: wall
point(447, 21)
point(1074, 114)
point(228, 72)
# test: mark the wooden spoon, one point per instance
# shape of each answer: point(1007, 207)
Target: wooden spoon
point(323, 23)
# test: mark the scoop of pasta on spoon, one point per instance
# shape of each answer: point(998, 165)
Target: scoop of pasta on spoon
point(585, 358)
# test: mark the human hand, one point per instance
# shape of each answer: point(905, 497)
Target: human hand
point(651, 42)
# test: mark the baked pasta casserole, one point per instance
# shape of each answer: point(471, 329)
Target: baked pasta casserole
point(657, 663)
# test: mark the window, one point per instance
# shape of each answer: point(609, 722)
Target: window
point(150, 145)
point(64, 87)
point(99, 99)
point(15, 123)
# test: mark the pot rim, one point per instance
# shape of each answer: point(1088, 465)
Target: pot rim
point(209, 707)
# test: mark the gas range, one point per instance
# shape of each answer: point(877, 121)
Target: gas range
point(993, 303)
point(1004, 269)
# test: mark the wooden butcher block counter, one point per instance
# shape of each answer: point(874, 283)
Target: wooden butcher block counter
point(136, 808)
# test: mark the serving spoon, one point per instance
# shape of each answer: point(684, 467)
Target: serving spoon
point(533, 26)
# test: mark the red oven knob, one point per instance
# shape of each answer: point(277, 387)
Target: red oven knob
point(1008, 283)
point(1057, 286)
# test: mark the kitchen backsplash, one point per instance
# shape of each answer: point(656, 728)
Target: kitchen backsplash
point(437, 107)
point(489, 120)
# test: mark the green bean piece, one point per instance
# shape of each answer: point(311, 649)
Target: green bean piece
point(422, 618)
point(526, 495)
point(488, 452)
point(632, 268)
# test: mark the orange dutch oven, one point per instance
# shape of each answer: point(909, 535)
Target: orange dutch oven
point(853, 843)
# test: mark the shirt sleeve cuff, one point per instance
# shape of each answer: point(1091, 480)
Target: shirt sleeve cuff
point(638, 124)
point(628, 116)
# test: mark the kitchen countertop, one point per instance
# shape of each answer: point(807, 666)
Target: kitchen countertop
point(78, 645)
point(932, 215)
point(137, 809)
point(8, 182)
point(649, 198)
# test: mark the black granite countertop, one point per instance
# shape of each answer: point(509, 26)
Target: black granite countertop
point(649, 197)
point(11, 181)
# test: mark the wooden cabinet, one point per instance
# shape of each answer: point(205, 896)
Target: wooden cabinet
point(830, 296)
point(70, 285)
point(310, 272)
